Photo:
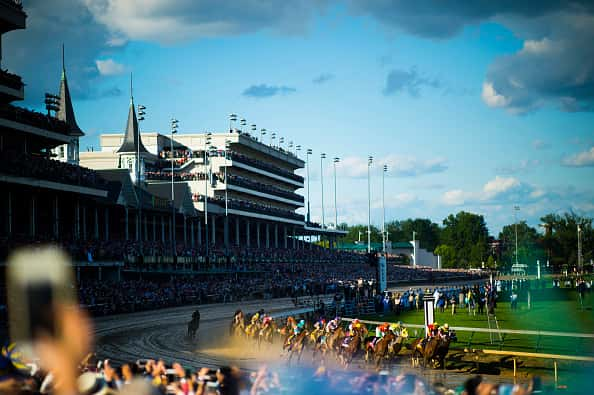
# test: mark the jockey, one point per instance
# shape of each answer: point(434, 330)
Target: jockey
point(255, 318)
point(395, 328)
point(444, 331)
point(433, 330)
point(320, 324)
point(266, 321)
point(332, 325)
point(381, 330)
point(299, 327)
point(355, 324)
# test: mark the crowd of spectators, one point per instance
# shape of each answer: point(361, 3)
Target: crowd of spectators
point(35, 166)
point(179, 176)
point(33, 118)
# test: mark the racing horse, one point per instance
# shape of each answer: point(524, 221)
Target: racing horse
point(434, 350)
point(237, 326)
point(350, 348)
point(266, 333)
point(295, 345)
point(386, 348)
point(193, 326)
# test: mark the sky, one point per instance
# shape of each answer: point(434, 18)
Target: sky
point(475, 106)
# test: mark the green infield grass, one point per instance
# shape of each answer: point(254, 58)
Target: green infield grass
point(555, 315)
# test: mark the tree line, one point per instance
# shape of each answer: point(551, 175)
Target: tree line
point(463, 240)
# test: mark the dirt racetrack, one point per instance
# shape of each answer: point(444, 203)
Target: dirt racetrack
point(162, 334)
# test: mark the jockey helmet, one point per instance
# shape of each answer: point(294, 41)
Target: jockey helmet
point(301, 324)
point(446, 326)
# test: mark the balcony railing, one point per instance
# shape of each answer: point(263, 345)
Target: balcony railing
point(33, 118)
point(257, 186)
point(10, 80)
point(252, 207)
point(264, 166)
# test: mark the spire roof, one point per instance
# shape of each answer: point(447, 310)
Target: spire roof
point(66, 112)
point(132, 140)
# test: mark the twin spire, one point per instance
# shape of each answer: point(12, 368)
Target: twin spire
point(132, 142)
point(66, 112)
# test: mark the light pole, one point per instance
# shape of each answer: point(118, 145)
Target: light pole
point(369, 163)
point(243, 123)
point(262, 134)
point(297, 150)
point(291, 147)
point(335, 161)
point(308, 153)
point(207, 140)
point(254, 130)
point(385, 170)
point(141, 114)
point(232, 119)
point(272, 137)
point(579, 252)
point(322, 157)
point(174, 123)
point(516, 209)
point(281, 141)
point(227, 146)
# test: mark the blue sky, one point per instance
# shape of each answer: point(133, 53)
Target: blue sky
point(477, 109)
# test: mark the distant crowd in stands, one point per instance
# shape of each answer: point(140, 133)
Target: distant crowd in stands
point(11, 80)
point(33, 118)
point(27, 165)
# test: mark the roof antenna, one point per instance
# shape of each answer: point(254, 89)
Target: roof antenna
point(63, 64)
point(131, 95)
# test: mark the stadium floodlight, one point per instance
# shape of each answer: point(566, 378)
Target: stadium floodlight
point(262, 134)
point(281, 141)
point(243, 123)
point(232, 118)
point(52, 103)
point(369, 163)
point(272, 137)
point(335, 161)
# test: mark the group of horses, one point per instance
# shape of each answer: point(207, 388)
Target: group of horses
point(345, 345)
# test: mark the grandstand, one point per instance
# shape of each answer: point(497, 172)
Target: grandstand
point(251, 187)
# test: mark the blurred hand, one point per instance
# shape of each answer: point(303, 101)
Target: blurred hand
point(62, 354)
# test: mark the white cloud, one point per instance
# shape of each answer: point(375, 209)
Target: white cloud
point(167, 22)
point(499, 185)
point(491, 97)
point(581, 159)
point(455, 197)
point(398, 166)
point(110, 67)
